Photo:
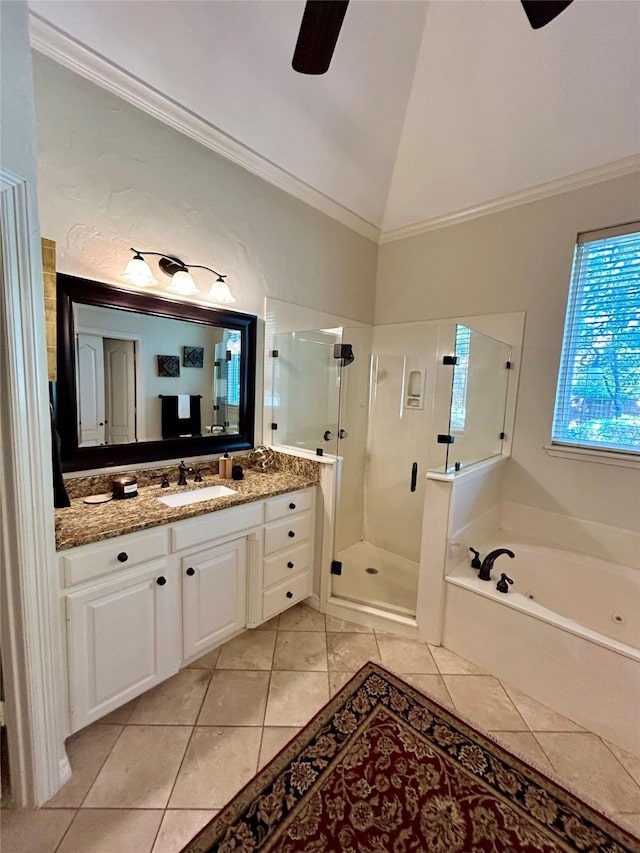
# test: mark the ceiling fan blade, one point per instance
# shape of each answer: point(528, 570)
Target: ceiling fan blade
point(542, 12)
point(318, 35)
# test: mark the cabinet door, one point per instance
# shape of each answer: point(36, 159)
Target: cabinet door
point(122, 640)
point(213, 596)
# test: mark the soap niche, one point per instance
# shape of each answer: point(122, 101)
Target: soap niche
point(414, 389)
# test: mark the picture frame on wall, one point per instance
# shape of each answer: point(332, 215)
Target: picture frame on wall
point(168, 366)
point(192, 356)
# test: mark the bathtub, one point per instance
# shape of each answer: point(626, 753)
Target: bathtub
point(567, 633)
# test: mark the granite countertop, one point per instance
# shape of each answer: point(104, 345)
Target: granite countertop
point(83, 523)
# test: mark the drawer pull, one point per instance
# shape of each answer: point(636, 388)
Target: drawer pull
point(292, 506)
point(291, 534)
point(289, 565)
point(161, 581)
point(123, 557)
point(191, 572)
point(289, 594)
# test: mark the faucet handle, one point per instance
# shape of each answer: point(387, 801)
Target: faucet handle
point(475, 563)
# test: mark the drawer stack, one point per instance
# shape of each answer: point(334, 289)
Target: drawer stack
point(288, 551)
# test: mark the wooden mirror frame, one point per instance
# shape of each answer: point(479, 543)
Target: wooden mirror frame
point(72, 289)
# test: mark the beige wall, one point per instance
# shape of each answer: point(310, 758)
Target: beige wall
point(111, 177)
point(520, 259)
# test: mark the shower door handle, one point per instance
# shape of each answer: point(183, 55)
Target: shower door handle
point(414, 476)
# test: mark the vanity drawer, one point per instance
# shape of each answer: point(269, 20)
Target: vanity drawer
point(215, 525)
point(283, 534)
point(111, 555)
point(281, 566)
point(285, 594)
point(286, 505)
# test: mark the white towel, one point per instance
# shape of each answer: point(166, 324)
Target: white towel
point(184, 406)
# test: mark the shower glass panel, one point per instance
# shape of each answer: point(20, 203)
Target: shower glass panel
point(478, 398)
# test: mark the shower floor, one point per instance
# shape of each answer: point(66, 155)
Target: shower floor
point(393, 587)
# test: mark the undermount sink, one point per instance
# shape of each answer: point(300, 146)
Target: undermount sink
point(194, 496)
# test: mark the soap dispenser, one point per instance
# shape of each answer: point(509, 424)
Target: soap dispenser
point(224, 467)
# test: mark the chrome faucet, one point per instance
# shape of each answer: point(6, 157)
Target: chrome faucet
point(487, 564)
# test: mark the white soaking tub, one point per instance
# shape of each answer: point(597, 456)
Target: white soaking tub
point(567, 633)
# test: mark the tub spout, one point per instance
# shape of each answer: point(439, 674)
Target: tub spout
point(487, 564)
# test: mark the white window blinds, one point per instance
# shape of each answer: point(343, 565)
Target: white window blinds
point(598, 395)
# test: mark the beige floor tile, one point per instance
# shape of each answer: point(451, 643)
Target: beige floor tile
point(348, 652)
point(179, 826)
point(304, 650)
point(120, 716)
point(236, 697)
point(274, 738)
point(251, 650)
point(449, 663)
point(341, 625)
point(87, 751)
point(525, 745)
point(112, 831)
point(484, 701)
point(207, 661)
point(337, 680)
point(140, 769)
point(433, 686)
point(294, 697)
point(175, 702)
point(583, 760)
point(301, 618)
point(402, 655)
point(219, 761)
point(630, 762)
point(538, 717)
point(28, 831)
point(269, 625)
point(631, 822)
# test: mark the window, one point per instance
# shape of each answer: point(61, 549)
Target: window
point(460, 377)
point(232, 343)
point(598, 395)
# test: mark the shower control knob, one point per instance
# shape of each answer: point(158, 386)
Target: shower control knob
point(289, 565)
point(291, 534)
point(123, 557)
point(343, 433)
point(328, 435)
point(191, 571)
point(289, 594)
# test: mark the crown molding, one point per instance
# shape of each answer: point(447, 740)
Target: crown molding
point(60, 47)
point(550, 188)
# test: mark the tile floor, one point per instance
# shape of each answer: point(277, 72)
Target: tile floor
point(149, 775)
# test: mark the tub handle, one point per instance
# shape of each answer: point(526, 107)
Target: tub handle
point(501, 586)
point(414, 476)
point(475, 563)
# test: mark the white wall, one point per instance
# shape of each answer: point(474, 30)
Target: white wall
point(520, 260)
point(111, 177)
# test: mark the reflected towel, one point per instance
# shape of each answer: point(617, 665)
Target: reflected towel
point(184, 406)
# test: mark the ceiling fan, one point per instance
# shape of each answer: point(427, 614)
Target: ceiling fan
point(322, 20)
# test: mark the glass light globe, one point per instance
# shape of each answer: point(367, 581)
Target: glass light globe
point(183, 283)
point(138, 272)
point(220, 293)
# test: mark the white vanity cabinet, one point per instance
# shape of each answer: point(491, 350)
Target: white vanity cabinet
point(139, 606)
point(121, 639)
point(213, 596)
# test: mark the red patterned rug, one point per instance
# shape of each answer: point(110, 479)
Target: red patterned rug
point(384, 769)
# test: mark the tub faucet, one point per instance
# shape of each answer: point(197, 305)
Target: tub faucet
point(487, 564)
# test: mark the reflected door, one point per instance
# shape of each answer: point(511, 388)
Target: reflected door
point(90, 385)
point(119, 390)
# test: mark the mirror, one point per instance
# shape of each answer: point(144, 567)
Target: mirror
point(143, 378)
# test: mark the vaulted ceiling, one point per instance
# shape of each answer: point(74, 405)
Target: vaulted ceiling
point(428, 109)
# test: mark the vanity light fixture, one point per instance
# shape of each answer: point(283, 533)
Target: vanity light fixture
point(139, 272)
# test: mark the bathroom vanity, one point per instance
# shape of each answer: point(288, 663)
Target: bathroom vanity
point(140, 605)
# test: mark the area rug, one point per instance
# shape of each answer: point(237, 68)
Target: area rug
point(382, 768)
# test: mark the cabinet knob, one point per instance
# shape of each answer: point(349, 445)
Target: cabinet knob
point(292, 506)
point(191, 571)
point(123, 557)
point(289, 565)
point(161, 581)
point(289, 594)
point(291, 534)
